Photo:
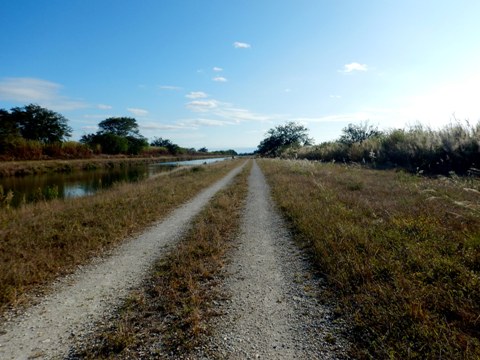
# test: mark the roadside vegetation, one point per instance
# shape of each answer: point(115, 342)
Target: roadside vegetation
point(168, 314)
point(35, 133)
point(401, 254)
point(454, 148)
point(41, 241)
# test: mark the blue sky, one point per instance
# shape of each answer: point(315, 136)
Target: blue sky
point(220, 73)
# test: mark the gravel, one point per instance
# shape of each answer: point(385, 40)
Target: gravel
point(94, 292)
point(273, 311)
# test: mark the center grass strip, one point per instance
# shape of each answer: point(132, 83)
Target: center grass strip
point(169, 314)
point(39, 242)
point(401, 254)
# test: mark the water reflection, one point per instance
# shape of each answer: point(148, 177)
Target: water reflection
point(82, 183)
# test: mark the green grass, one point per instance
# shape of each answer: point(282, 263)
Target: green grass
point(401, 254)
point(41, 241)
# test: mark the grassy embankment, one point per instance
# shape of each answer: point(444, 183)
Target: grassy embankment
point(171, 310)
point(34, 167)
point(455, 147)
point(401, 254)
point(43, 240)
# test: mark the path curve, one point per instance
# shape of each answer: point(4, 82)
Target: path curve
point(273, 312)
point(46, 330)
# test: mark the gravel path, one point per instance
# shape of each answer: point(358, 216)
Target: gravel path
point(93, 293)
point(273, 312)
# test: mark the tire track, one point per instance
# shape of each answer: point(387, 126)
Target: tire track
point(273, 312)
point(46, 330)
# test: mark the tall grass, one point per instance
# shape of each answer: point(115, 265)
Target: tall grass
point(401, 254)
point(41, 241)
point(18, 148)
point(454, 148)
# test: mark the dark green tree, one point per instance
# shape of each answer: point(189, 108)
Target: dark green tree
point(358, 133)
point(117, 135)
point(170, 146)
point(121, 126)
point(282, 137)
point(8, 127)
point(37, 123)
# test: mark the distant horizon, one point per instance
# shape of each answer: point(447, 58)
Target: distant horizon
point(321, 64)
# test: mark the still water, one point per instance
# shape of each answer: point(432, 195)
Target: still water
point(80, 183)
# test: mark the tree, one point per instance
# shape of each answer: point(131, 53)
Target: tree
point(203, 150)
point(121, 126)
point(8, 127)
point(37, 123)
point(358, 133)
point(282, 137)
point(117, 135)
point(171, 147)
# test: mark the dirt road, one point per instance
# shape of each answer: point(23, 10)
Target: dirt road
point(273, 312)
point(47, 329)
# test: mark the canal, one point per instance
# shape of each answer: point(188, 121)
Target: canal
point(16, 191)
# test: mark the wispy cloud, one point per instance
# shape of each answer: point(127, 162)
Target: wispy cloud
point(241, 45)
point(354, 66)
point(217, 69)
point(219, 79)
point(196, 95)
point(169, 87)
point(202, 105)
point(161, 126)
point(138, 112)
point(104, 107)
point(210, 122)
point(42, 92)
point(225, 113)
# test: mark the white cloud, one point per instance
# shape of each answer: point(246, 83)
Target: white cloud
point(226, 113)
point(138, 112)
point(196, 95)
point(347, 68)
point(169, 87)
point(42, 92)
point(104, 107)
point(210, 122)
point(219, 79)
point(160, 126)
point(217, 69)
point(202, 105)
point(241, 45)
point(335, 97)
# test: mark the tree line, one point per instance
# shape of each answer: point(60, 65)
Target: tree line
point(33, 132)
point(420, 149)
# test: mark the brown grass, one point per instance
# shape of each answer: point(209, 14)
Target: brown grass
point(401, 254)
point(41, 241)
point(170, 313)
point(34, 167)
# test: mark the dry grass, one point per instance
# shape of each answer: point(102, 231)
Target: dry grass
point(169, 314)
point(34, 167)
point(41, 241)
point(401, 254)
